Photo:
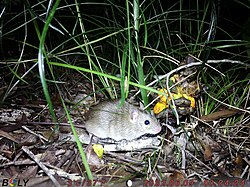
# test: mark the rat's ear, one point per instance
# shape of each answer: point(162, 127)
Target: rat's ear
point(134, 115)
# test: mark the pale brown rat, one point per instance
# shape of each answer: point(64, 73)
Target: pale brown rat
point(107, 120)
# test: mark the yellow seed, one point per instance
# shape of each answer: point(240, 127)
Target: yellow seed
point(192, 104)
point(99, 150)
point(162, 96)
point(160, 106)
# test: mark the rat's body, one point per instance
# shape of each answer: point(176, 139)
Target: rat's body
point(107, 120)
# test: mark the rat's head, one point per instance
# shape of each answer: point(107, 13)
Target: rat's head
point(144, 123)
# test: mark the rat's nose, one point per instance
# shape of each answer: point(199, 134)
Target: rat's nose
point(158, 128)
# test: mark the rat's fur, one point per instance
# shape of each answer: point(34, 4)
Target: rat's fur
point(107, 120)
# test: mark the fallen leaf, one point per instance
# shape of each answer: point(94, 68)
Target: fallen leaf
point(219, 114)
point(208, 153)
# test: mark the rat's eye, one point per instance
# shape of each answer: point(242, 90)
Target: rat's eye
point(146, 122)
